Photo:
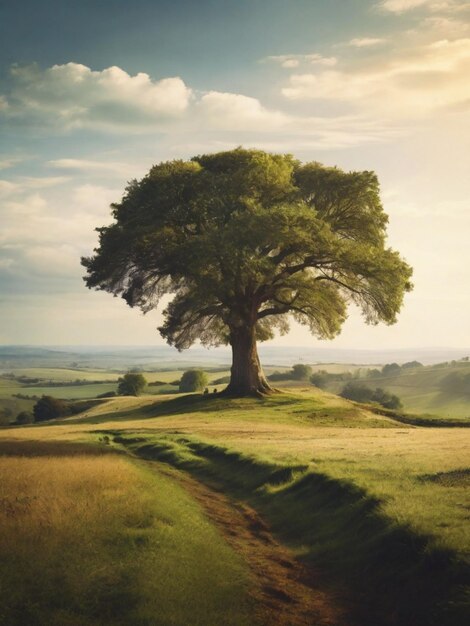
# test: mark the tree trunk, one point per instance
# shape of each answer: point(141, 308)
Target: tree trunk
point(247, 378)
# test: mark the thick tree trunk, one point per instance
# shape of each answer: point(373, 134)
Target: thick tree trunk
point(247, 378)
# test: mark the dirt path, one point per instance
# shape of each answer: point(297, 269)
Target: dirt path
point(285, 592)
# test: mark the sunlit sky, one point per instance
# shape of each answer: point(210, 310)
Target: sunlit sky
point(93, 93)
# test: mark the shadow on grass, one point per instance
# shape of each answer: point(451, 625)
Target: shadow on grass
point(33, 448)
point(388, 574)
point(187, 404)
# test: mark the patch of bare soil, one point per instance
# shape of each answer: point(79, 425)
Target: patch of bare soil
point(285, 592)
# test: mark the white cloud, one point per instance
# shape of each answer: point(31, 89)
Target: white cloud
point(40, 182)
point(7, 162)
point(23, 183)
point(402, 6)
point(7, 187)
point(442, 26)
point(94, 166)
point(414, 83)
point(58, 260)
point(74, 96)
point(365, 42)
point(294, 60)
point(237, 112)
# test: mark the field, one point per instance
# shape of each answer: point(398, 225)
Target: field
point(421, 389)
point(77, 384)
point(376, 509)
point(84, 529)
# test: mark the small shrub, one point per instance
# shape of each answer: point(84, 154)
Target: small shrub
point(319, 379)
point(300, 371)
point(131, 384)
point(362, 393)
point(24, 417)
point(48, 408)
point(391, 369)
point(193, 380)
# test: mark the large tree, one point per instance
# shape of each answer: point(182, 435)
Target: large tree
point(243, 240)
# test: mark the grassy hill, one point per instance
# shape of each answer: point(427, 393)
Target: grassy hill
point(377, 508)
point(421, 389)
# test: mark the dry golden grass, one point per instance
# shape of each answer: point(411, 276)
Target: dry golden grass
point(92, 540)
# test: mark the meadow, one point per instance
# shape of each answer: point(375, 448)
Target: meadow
point(422, 390)
point(88, 537)
point(378, 507)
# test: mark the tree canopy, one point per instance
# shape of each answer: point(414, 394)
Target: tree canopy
point(244, 239)
point(131, 384)
point(193, 380)
point(48, 408)
point(300, 371)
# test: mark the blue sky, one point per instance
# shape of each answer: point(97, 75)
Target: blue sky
point(93, 93)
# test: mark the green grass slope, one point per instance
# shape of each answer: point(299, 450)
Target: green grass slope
point(381, 506)
point(421, 390)
point(93, 539)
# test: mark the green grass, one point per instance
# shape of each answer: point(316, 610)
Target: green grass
point(391, 574)
point(380, 506)
point(93, 539)
point(74, 392)
point(420, 392)
point(63, 374)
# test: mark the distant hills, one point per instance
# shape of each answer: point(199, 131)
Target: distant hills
point(12, 356)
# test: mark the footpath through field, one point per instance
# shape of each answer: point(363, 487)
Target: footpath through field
point(285, 592)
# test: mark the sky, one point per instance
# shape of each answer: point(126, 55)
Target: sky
point(93, 93)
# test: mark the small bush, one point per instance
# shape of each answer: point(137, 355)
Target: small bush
point(24, 417)
point(362, 393)
point(391, 369)
point(300, 371)
point(193, 380)
point(49, 408)
point(131, 384)
point(320, 379)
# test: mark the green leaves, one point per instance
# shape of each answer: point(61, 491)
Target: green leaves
point(249, 238)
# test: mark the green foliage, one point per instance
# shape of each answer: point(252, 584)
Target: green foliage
point(48, 408)
point(319, 379)
point(24, 417)
point(244, 238)
point(322, 378)
point(193, 380)
point(362, 393)
point(412, 365)
point(131, 384)
point(386, 399)
point(391, 369)
point(374, 373)
point(300, 371)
